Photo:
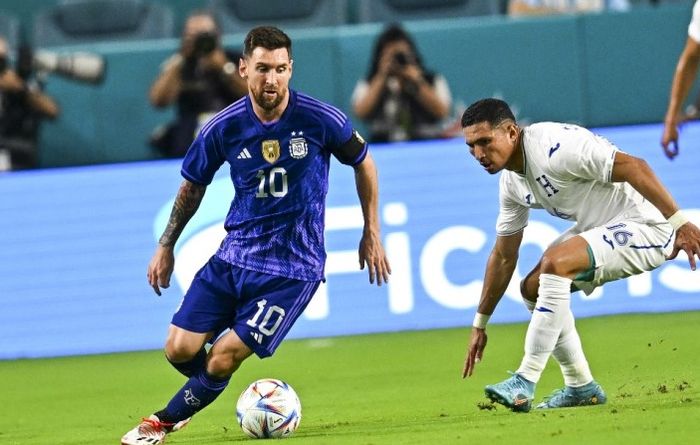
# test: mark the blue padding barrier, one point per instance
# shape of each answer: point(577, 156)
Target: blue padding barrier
point(75, 243)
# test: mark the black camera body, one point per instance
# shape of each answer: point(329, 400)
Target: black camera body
point(204, 43)
point(402, 59)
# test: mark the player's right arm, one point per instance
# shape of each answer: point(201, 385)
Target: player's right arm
point(186, 204)
point(499, 270)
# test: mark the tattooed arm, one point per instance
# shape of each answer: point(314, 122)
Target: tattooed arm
point(163, 262)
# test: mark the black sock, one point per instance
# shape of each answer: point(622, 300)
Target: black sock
point(192, 366)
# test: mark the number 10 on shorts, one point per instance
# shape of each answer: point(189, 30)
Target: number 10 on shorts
point(270, 321)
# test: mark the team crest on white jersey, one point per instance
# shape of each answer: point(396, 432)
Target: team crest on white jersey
point(298, 148)
point(271, 150)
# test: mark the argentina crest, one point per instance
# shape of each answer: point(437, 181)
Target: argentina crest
point(298, 148)
point(271, 150)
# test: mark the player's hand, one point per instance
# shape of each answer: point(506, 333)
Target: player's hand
point(161, 268)
point(371, 253)
point(688, 240)
point(477, 344)
point(669, 140)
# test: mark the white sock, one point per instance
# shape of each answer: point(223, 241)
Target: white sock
point(569, 353)
point(530, 305)
point(553, 305)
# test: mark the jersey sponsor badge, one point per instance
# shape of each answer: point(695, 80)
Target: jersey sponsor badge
point(298, 148)
point(271, 150)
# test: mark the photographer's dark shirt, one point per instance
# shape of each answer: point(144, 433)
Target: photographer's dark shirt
point(203, 93)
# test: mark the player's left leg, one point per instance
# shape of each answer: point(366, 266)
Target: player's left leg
point(618, 250)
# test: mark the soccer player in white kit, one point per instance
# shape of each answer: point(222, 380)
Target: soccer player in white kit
point(686, 70)
point(626, 222)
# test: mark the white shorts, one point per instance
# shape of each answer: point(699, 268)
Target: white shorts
point(622, 249)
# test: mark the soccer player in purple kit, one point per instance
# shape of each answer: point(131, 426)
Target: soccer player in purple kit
point(278, 143)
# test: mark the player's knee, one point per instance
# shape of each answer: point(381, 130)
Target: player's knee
point(223, 364)
point(553, 264)
point(178, 350)
point(528, 288)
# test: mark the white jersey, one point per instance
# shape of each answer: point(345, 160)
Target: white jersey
point(568, 172)
point(694, 27)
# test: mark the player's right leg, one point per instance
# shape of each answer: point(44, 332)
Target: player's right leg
point(181, 349)
point(185, 350)
point(207, 307)
point(558, 265)
point(515, 393)
point(568, 351)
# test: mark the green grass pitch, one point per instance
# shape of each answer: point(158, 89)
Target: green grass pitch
point(399, 388)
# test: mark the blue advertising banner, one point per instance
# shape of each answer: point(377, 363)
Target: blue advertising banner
point(75, 243)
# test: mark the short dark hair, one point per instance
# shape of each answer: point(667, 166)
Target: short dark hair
point(268, 37)
point(393, 32)
point(493, 111)
point(204, 13)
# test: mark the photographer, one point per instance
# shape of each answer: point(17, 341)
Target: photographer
point(22, 106)
point(400, 99)
point(202, 78)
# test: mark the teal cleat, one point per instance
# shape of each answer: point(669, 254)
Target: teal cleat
point(515, 393)
point(590, 394)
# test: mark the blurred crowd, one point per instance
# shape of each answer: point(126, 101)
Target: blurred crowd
point(402, 97)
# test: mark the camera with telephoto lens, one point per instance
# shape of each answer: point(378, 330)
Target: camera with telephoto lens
point(402, 59)
point(204, 43)
point(79, 66)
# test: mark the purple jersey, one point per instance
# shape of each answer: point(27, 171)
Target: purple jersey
point(280, 175)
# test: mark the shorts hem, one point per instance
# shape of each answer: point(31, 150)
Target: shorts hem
point(258, 349)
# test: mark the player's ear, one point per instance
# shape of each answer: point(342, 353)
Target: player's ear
point(242, 68)
point(513, 131)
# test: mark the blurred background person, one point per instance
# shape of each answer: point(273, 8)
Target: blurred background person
point(686, 70)
point(400, 99)
point(22, 107)
point(545, 7)
point(201, 79)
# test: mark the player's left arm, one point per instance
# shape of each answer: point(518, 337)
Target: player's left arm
point(371, 250)
point(639, 175)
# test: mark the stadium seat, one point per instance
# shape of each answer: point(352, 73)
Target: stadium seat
point(238, 16)
point(402, 10)
point(9, 28)
point(83, 21)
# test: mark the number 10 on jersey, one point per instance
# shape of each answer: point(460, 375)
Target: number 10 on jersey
point(272, 183)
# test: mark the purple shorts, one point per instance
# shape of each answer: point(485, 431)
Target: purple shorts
point(261, 308)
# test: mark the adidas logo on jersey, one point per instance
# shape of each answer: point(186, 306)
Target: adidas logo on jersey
point(244, 154)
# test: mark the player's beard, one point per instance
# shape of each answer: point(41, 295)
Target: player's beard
point(269, 104)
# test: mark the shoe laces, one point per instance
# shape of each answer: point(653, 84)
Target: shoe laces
point(517, 382)
point(557, 393)
point(155, 426)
